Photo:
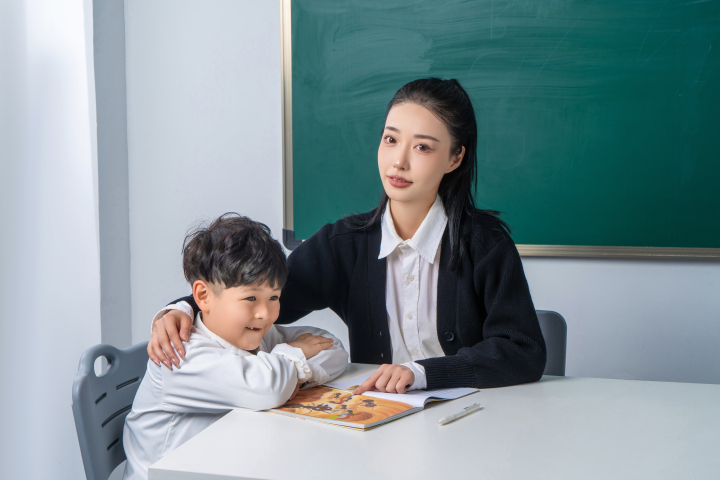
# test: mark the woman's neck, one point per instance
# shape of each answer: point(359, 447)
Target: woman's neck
point(408, 216)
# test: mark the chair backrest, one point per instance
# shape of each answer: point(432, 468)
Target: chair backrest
point(101, 403)
point(554, 330)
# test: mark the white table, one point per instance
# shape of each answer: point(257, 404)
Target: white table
point(560, 427)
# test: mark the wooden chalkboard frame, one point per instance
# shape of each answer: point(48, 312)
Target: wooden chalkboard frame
point(291, 242)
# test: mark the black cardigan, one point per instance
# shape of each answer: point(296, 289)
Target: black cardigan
point(486, 320)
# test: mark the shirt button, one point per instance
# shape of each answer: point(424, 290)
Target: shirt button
point(410, 278)
point(409, 316)
point(414, 352)
point(449, 336)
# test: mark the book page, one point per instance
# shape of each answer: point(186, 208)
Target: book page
point(418, 398)
point(352, 382)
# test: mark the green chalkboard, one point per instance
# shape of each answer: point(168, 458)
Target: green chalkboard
point(599, 121)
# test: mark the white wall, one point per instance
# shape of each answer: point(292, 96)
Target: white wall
point(49, 254)
point(204, 137)
point(634, 319)
point(203, 92)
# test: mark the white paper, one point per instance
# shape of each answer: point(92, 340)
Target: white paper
point(418, 398)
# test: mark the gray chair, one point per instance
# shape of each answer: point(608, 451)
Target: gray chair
point(101, 403)
point(554, 330)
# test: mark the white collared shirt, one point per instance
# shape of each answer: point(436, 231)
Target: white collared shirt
point(411, 289)
point(171, 407)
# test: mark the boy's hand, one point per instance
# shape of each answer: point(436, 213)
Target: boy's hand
point(165, 336)
point(388, 378)
point(311, 345)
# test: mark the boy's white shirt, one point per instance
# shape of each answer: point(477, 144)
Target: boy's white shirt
point(171, 407)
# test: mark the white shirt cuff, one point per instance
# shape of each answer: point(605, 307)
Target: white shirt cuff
point(182, 306)
point(295, 355)
point(420, 381)
point(319, 375)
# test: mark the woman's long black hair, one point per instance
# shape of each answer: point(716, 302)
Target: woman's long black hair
point(449, 102)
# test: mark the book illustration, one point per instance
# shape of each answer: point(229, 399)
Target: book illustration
point(342, 406)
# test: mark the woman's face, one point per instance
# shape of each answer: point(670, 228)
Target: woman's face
point(414, 154)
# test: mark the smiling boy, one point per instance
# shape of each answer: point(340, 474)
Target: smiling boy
point(235, 356)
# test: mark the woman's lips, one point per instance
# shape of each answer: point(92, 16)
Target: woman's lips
point(399, 182)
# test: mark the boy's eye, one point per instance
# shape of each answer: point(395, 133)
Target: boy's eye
point(275, 297)
point(252, 299)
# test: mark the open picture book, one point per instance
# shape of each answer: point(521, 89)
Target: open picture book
point(334, 403)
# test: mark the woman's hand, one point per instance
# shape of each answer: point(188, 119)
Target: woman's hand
point(165, 336)
point(388, 378)
point(311, 345)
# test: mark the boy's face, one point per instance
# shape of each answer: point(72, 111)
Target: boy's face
point(239, 315)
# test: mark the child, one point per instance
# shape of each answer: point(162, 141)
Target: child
point(235, 357)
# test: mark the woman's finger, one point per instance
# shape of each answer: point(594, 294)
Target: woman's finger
point(185, 326)
point(406, 381)
point(166, 346)
point(160, 355)
point(151, 354)
point(369, 383)
point(156, 344)
point(382, 381)
point(177, 343)
point(393, 381)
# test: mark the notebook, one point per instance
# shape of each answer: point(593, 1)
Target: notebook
point(335, 404)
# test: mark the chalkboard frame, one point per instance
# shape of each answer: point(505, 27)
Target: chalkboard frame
point(291, 242)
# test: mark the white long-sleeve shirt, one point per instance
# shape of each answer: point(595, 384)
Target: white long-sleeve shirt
point(171, 407)
point(411, 289)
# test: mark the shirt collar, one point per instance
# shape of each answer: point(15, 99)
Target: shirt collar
point(200, 326)
point(425, 241)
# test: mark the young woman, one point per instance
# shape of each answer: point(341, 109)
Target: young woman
point(428, 286)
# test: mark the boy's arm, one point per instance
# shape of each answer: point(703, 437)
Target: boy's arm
point(326, 365)
point(212, 380)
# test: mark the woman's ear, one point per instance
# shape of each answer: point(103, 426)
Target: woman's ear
point(201, 294)
point(456, 160)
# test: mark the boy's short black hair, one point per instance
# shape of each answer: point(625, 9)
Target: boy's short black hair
point(233, 251)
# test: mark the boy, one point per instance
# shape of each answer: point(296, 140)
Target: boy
point(235, 357)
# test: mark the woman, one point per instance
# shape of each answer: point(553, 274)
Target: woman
point(428, 286)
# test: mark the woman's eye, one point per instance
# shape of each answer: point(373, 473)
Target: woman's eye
point(389, 139)
point(423, 148)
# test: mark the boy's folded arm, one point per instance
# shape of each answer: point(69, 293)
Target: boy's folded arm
point(326, 365)
point(212, 382)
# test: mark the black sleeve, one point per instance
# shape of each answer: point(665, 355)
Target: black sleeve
point(189, 299)
point(512, 350)
point(317, 277)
